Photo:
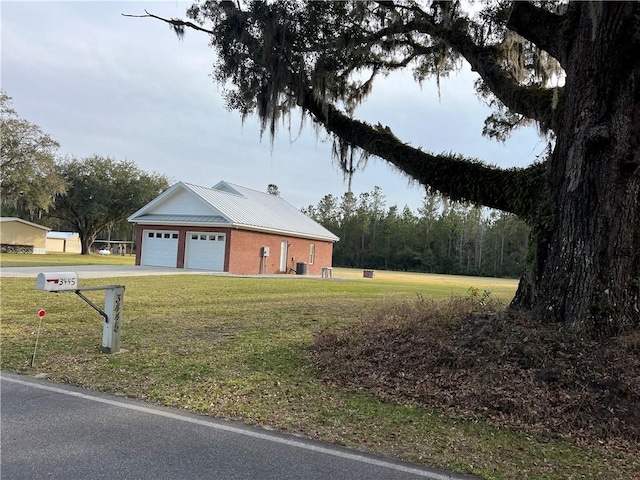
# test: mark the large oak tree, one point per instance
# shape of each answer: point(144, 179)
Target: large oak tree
point(582, 200)
point(102, 192)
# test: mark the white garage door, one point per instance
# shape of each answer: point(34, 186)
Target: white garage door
point(205, 251)
point(159, 248)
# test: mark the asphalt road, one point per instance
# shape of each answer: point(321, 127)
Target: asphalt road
point(51, 431)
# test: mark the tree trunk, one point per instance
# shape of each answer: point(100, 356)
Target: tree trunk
point(87, 239)
point(588, 266)
point(85, 242)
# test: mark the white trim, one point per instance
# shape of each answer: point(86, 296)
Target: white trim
point(155, 201)
point(284, 256)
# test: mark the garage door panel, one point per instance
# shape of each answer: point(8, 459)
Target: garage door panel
point(159, 248)
point(205, 251)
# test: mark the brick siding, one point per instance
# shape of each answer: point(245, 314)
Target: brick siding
point(243, 250)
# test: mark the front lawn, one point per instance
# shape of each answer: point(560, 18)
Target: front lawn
point(240, 348)
point(62, 259)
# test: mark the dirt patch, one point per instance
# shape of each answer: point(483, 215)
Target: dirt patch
point(461, 359)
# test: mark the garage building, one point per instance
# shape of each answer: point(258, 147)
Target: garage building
point(229, 228)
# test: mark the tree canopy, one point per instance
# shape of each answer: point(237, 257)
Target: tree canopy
point(102, 192)
point(572, 68)
point(29, 182)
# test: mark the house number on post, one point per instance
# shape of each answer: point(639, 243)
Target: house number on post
point(111, 329)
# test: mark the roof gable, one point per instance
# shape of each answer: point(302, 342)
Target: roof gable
point(181, 201)
point(178, 201)
point(225, 187)
point(237, 206)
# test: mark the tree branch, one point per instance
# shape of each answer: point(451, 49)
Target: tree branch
point(177, 24)
point(539, 26)
point(459, 178)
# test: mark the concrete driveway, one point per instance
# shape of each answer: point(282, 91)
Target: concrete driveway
point(107, 271)
point(101, 271)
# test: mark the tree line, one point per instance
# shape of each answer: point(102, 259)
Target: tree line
point(440, 237)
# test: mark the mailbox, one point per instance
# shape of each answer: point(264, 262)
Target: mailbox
point(57, 281)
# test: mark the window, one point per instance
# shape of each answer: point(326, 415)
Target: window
point(203, 237)
point(221, 238)
point(312, 253)
point(194, 237)
point(212, 237)
point(163, 235)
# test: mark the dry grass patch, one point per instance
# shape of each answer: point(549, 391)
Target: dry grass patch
point(466, 360)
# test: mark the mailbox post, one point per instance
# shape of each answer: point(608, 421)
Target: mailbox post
point(111, 329)
point(59, 282)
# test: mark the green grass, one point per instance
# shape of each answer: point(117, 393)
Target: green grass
point(54, 259)
point(238, 348)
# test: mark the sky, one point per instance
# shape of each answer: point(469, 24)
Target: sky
point(128, 88)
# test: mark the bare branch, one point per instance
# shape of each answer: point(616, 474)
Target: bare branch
point(177, 24)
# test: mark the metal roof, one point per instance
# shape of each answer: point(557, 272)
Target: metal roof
point(239, 207)
point(61, 235)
